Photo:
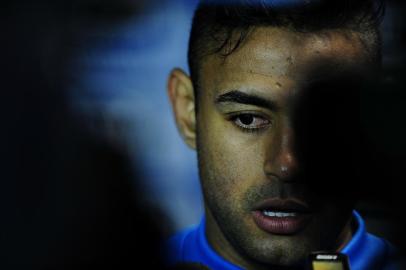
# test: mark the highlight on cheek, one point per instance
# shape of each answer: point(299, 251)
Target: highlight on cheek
point(250, 122)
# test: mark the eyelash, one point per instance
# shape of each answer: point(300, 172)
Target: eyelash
point(234, 119)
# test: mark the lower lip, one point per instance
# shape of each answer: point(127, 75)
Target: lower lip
point(281, 225)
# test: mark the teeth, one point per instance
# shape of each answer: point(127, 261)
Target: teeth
point(278, 214)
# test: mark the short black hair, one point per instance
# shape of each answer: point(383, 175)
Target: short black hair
point(220, 27)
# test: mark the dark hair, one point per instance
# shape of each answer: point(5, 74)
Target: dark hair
point(220, 27)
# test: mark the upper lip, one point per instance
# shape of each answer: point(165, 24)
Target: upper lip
point(283, 205)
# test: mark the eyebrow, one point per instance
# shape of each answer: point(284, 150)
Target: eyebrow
point(236, 96)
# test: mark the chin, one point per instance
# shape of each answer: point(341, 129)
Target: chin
point(285, 260)
point(279, 251)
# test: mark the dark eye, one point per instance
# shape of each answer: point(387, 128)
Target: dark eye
point(250, 121)
point(246, 119)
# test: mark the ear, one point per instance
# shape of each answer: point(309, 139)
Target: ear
point(181, 94)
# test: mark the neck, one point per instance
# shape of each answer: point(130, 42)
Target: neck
point(346, 234)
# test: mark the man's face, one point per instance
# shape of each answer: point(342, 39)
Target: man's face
point(258, 200)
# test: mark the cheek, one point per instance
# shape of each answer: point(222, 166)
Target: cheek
point(230, 160)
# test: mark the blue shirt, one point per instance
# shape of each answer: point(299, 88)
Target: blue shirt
point(365, 251)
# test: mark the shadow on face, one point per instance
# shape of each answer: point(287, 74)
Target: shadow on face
point(327, 124)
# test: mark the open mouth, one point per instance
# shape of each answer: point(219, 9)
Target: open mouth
point(283, 217)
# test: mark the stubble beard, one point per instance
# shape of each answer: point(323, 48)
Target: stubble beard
point(232, 214)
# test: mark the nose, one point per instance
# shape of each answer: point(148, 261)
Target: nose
point(281, 160)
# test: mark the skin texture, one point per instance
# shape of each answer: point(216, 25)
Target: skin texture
point(241, 165)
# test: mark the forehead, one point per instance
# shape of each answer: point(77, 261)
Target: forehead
point(282, 59)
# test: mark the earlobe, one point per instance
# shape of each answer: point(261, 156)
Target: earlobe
point(181, 94)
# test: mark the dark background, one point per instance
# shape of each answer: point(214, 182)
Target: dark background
point(93, 172)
